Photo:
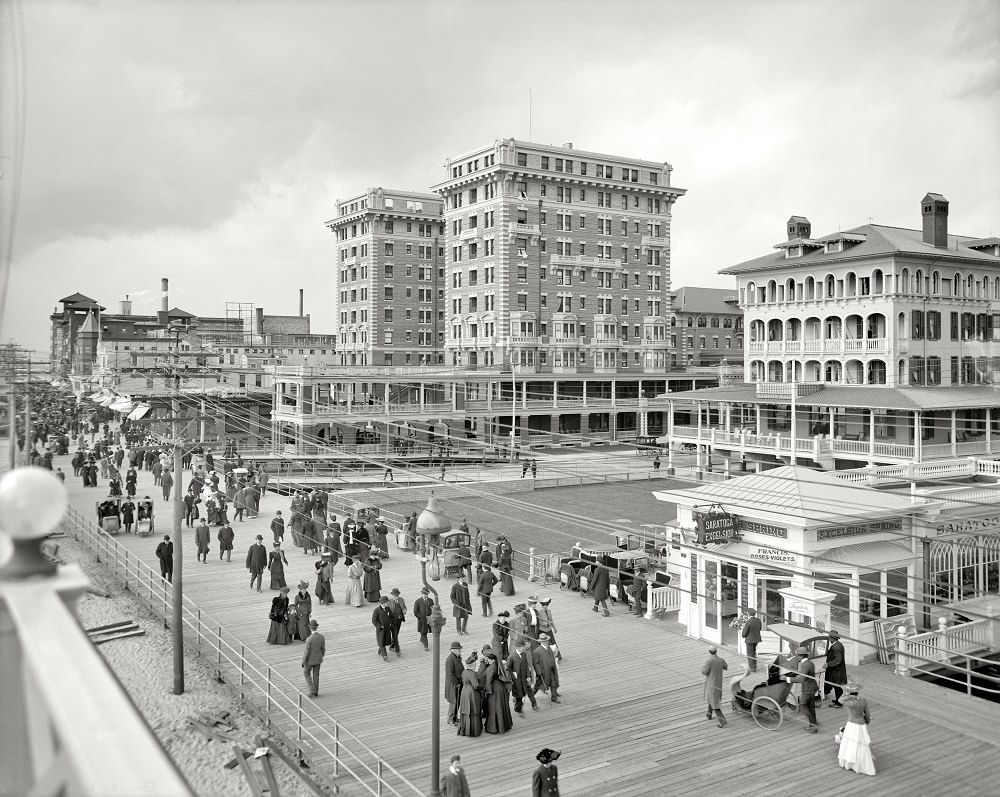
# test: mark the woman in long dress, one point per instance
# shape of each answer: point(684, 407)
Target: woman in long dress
point(505, 566)
point(496, 685)
point(297, 509)
point(303, 611)
point(501, 634)
point(373, 579)
point(381, 543)
point(470, 701)
point(278, 634)
point(354, 571)
point(276, 562)
point(324, 574)
point(855, 744)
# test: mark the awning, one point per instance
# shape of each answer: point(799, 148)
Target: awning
point(865, 554)
point(122, 404)
point(138, 412)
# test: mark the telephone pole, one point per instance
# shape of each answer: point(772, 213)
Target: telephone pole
point(178, 592)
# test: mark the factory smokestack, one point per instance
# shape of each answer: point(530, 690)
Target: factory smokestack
point(164, 301)
point(301, 302)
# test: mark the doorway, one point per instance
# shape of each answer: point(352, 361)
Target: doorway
point(770, 602)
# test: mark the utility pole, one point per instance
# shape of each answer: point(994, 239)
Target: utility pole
point(28, 445)
point(12, 425)
point(178, 591)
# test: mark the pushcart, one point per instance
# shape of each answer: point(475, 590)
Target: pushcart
point(144, 522)
point(109, 514)
point(765, 702)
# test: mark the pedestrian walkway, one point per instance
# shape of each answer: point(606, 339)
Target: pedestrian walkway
point(632, 718)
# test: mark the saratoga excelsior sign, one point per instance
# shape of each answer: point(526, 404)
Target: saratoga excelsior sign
point(717, 528)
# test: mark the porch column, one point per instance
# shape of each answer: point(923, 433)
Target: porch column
point(954, 435)
point(989, 442)
point(421, 396)
point(833, 422)
point(758, 430)
point(728, 412)
point(917, 435)
point(555, 394)
point(871, 439)
point(584, 392)
point(643, 422)
point(554, 426)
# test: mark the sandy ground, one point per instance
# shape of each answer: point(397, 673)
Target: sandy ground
point(144, 666)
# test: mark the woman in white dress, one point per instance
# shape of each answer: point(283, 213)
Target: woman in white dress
point(354, 573)
point(855, 744)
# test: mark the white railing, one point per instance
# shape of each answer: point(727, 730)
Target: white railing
point(69, 727)
point(756, 347)
point(303, 724)
point(942, 644)
point(662, 599)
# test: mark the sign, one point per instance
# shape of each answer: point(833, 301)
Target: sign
point(752, 527)
point(762, 554)
point(968, 526)
point(716, 528)
point(694, 578)
point(837, 532)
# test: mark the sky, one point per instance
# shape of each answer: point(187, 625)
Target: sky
point(207, 142)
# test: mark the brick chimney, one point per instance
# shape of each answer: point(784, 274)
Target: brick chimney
point(934, 210)
point(799, 227)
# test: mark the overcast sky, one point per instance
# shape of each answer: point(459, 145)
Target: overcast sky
point(207, 141)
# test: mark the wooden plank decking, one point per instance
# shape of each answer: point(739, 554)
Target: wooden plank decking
point(632, 722)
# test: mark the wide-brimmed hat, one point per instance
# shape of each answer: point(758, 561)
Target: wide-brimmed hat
point(303, 584)
point(326, 554)
point(543, 637)
point(547, 756)
point(533, 598)
point(283, 589)
point(801, 651)
point(425, 591)
point(394, 591)
point(456, 645)
point(853, 688)
point(520, 607)
point(834, 634)
point(545, 601)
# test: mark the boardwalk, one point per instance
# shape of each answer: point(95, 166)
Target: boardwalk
point(632, 721)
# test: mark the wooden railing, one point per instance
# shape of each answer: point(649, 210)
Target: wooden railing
point(321, 740)
point(68, 727)
point(661, 599)
point(947, 645)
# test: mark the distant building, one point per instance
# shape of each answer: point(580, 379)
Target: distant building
point(390, 293)
point(706, 327)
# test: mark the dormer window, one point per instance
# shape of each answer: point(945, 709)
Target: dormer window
point(793, 251)
point(834, 246)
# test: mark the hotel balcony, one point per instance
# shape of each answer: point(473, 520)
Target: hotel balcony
point(349, 261)
point(588, 261)
point(558, 341)
point(471, 234)
point(524, 229)
point(606, 343)
point(821, 346)
point(654, 242)
point(524, 341)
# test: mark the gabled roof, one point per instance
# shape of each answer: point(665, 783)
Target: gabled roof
point(814, 496)
point(878, 241)
point(77, 297)
point(89, 325)
point(178, 313)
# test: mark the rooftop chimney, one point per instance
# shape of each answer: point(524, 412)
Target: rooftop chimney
point(934, 209)
point(799, 227)
point(568, 145)
point(126, 306)
point(301, 302)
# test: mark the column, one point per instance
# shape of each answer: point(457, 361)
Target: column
point(759, 429)
point(871, 439)
point(421, 396)
point(917, 435)
point(989, 441)
point(643, 422)
point(584, 392)
point(954, 433)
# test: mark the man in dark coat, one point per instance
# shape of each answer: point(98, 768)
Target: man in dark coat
point(547, 673)
point(461, 604)
point(226, 536)
point(166, 482)
point(165, 553)
point(257, 562)
point(545, 781)
point(463, 556)
point(751, 635)
point(453, 781)
point(202, 539)
point(600, 586)
point(836, 669)
point(278, 527)
point(807, 677)
point(520, 667)
point(382, 621)
point(453, 667)
point(422, 611)
point(484, 588)
point(128, 515)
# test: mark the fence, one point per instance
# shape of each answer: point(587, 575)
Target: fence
point(318, 738)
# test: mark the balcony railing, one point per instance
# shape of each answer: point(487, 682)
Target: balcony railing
point(525, 229)
point(585, 260)
point(654, 241)
point(470, 234)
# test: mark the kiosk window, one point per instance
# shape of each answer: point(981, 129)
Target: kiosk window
point(870, 597)
point(840, 606)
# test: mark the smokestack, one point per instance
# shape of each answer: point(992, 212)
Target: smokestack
point(164, 305)
point(126, 306)
point(301, 302)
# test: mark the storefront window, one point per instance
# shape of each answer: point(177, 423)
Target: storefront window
point(870, 597)
point(711, 594)
point(840, 607)
point(895, 588)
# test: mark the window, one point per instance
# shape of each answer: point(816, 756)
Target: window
point(389, 225)
point(388, 338)
point(522, 301)
point(522, 273)
point(388, 315)
point(583, 222)
point(522, 158)
point(388, 248)
point(388, 271)
point(388, 293)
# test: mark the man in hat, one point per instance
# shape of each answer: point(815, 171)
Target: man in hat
point(397, 616)
point(453, 667)
point(520, 667)
point(546, 672)
point(278, 527)
point(751, 635)
point(712, 670)
point(485, 559)
point(382, 621)
point(257, 562)
point(312, 658)
point(422, 611)
point(836, 669)
point(165, 553)
point(464, 558)
point(545, 781)
point(461, 604)
point(453, 781)
point(484, 587)
point(531, 616)
point(807, 677)
point(202, 539)
point(226, 537)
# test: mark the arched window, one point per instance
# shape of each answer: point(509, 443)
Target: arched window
point(918, 282)
point(936, 283)
point(904, 281)
point(751, 293)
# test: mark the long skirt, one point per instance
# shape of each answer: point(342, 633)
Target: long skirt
point(497, 711)
point(506, 583)
point(855, 749)
point(278, 635)
point(353, 594)
point(278, 577)
point(323, 592)
point(470, 712)
point(302, 630)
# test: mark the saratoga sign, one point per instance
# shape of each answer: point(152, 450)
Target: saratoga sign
point(716, 528)
point(836, 532)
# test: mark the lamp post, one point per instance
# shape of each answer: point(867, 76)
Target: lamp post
point(513, 398)
point(431, 524)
